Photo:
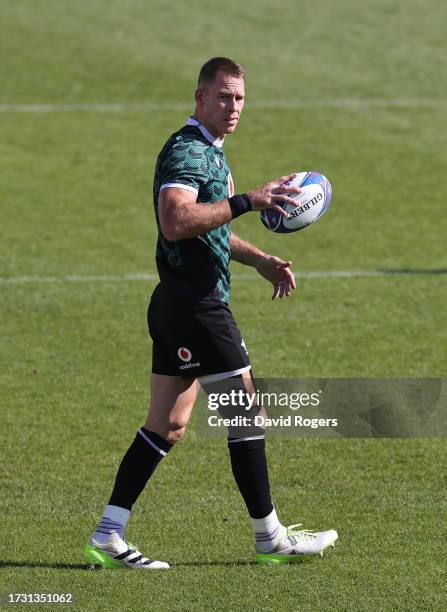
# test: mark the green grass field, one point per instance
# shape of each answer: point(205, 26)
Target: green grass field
point(354, 90)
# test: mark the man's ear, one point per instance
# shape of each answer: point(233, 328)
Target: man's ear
point(200, 95)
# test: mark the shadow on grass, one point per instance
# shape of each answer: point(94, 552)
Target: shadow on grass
point(85, 566)
point(7, 563)
point(214, 564)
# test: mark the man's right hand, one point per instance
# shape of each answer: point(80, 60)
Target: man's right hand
point(275, 192)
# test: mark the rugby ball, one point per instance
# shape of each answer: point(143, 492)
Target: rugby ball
point(313, 201)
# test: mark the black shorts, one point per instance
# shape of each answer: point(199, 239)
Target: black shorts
point(194, 340)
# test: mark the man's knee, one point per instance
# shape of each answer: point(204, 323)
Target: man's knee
point(171, 430)
point(176, 430)
point(170, 408)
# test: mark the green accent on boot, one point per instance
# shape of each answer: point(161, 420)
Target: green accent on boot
point(98, 557)
point(276, 559)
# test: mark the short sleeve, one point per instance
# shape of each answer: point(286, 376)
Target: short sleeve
point(185, 166)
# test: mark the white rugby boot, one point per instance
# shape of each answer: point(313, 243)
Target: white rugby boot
point(118, 554)
point(297, 545)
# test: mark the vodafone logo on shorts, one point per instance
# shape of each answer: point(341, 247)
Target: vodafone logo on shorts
point(184, 354)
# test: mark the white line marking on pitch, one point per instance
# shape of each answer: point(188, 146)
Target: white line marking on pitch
point(124, 107)
point(112, 278)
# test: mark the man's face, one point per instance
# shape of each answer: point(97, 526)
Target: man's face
point(220, 104)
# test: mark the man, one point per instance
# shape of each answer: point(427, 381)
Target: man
point(194, 334)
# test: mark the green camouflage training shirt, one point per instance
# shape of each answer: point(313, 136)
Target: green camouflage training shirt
point(194, 269)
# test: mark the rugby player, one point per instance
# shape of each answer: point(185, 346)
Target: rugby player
point(195, 337)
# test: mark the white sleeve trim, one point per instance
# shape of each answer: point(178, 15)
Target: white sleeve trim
point(180, 186)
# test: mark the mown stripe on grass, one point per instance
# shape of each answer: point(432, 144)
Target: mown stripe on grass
point(120, 107)
point(141, 276)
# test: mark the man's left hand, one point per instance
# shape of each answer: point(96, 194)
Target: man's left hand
point(278, 272)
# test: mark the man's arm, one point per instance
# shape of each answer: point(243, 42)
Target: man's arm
point(244, 252)
point(182, 217)
point(271, 268)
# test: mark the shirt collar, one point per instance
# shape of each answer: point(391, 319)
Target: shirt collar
point(217, 142)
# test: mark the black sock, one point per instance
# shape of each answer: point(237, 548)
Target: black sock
point(249, 465)
point(137, 466)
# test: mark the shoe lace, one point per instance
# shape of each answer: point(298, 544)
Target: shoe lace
point(137, 551)
point(295, 535)
point(133, 547)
